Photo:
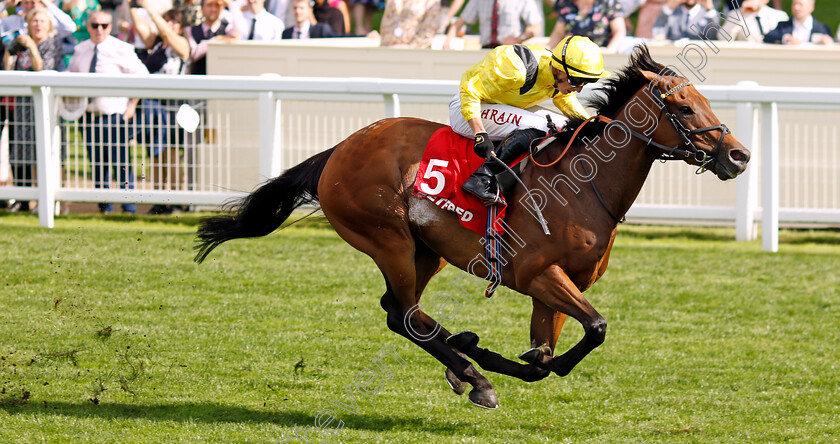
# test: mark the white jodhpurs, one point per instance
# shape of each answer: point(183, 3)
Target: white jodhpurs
point(501, 120)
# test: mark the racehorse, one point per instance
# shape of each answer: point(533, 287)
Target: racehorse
point(364, 188)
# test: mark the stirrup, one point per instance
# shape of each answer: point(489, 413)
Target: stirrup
point(476, 186)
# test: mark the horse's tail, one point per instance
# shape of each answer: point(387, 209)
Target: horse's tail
point(264, 210)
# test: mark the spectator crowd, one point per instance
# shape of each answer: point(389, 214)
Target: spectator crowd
point(171, 37)
point(176, 32)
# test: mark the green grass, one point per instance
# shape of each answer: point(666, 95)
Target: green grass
point(109, 333)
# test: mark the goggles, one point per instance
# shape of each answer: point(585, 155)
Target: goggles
point(575, 82)
point(580, 81)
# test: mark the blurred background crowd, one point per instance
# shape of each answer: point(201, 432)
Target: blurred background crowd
point(171, 37)
point(56, 28)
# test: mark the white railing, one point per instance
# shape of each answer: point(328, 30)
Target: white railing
point(756, 125)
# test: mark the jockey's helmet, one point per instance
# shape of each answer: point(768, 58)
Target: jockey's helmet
point(579, 57)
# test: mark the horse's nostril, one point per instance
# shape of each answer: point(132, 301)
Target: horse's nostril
point(739, 156)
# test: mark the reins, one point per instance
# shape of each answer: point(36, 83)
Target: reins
point(571, 140)
point(598, 194)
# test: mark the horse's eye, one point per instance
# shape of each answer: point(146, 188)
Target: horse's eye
point(686, 110)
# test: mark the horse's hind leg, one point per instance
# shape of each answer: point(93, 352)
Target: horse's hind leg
point(389, 242)
point(428, 263)
point(407, 319)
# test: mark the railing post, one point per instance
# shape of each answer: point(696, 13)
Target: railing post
point(392, 105)
point(746, 199)
point(270, 124)
point(49, 177)
point(770, 177)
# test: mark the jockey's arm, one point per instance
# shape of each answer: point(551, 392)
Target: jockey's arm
point(569, 105)
point(476, 125)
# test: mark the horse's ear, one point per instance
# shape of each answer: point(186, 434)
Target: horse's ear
point(651, 76)
point(662, 81)
point(656, 82)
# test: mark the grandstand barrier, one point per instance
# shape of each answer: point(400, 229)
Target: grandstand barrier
point(252, 127)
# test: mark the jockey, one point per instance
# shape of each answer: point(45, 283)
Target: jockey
point(495, 92)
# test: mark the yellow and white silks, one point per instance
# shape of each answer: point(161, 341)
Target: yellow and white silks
point(502, 86)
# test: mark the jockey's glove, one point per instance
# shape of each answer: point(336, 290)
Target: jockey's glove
point(483, 146)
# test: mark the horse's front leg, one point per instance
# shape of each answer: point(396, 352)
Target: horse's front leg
point(559, 296)
point(546, 325)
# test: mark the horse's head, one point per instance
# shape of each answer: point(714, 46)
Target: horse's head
point(686, 121)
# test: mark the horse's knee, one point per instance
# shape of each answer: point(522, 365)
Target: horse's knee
point(395, 322)
point(387, 302)
point(391, 307)
point(408, 324)
point(597, 331)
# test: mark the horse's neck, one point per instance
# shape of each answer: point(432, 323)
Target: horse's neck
point(621, 168)
point(623, 175)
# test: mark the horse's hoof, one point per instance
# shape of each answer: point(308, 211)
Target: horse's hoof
point(485, 399)
point(533, 355)
point(463, 340)
point(457, 386)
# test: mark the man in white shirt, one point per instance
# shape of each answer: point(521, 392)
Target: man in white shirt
point(687, 19)
point(63, 23)
point(803, 28)
point(758, 20)
point(281, 9)
point(515, 21)
point(803, 23)
point(261, 24)
point(106, 123)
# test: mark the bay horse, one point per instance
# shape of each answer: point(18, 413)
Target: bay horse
point(364, 188)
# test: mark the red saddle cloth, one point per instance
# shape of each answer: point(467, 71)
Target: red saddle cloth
point(448, 161)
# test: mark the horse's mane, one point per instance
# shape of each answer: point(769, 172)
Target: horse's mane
point(614, 92)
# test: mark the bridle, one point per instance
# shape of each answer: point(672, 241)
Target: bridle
point(677, 152)
point(682, 151)
point(689, 150)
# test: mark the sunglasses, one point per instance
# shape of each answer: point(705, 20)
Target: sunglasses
point(575, 82)
point(99, 25)
point(580, 81)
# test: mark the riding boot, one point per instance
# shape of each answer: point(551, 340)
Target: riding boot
point(482, 183)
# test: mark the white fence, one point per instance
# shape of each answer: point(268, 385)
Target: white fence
point(225, 160)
